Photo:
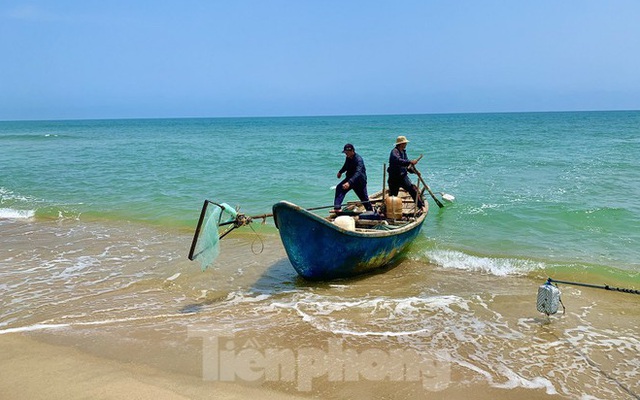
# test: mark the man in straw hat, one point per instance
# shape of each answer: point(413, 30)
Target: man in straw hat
point(399, 164)
point(355, 179)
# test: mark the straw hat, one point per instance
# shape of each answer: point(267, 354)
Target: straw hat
point(401, 139)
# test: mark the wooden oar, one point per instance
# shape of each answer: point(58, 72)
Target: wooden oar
point(427, 186)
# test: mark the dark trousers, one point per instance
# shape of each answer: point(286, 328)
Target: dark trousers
point(404, 182)
point(359, 189)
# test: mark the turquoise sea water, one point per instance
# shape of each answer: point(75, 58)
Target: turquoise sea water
point(533, 191)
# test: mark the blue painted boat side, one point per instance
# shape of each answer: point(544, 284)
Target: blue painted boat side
point(321, 250)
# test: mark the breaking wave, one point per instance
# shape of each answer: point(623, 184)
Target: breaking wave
point(450, 259)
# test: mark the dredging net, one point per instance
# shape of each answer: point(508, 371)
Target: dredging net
point(206, 241)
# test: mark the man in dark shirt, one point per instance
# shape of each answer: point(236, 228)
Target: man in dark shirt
point(355, 179)
point(398, 164)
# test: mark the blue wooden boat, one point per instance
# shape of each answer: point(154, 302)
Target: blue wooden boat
point(319, 249)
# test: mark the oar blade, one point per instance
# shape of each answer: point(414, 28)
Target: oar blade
point(448, 197)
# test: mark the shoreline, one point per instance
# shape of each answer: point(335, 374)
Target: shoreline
point(496, 264)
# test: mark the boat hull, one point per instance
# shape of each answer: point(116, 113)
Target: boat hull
point(321, 250)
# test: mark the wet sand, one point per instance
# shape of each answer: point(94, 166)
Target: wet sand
point(30, 369)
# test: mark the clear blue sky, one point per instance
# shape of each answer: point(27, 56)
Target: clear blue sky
point(210, 58)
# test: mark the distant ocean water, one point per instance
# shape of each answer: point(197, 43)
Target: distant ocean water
point(96, 220)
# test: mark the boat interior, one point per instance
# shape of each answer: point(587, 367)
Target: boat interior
point(389, 212)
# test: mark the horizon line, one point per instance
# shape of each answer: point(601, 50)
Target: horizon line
point(311, 116)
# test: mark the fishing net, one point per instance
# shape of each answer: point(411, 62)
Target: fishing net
point(207, 241)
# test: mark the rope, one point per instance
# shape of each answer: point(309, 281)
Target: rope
point(605, 287)
point(258, 237)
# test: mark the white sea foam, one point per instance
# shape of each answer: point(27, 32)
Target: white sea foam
point(339, 316)
point(31, 328)
point(482, 209)
point(51, 325)
point(242, 297)
point(173, 277)
point(496, 266)
point(9, 213)
point(82, 263)
point(474, 335)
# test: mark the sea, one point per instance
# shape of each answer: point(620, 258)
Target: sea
point(97, 218)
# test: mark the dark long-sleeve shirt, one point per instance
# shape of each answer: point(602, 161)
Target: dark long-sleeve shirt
point(355, 169)
point(398, 163)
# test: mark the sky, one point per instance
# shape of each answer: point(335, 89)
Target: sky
point(88, 59)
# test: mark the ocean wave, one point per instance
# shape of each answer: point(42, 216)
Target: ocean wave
point(10, 213)
point(10, 195)
point(20, 206)
point(451, 259)
point(16, 206)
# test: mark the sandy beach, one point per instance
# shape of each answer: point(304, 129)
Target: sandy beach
point(30, 369)
point(33, 370)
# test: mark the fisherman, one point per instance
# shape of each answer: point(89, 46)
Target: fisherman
point(355, 179)
point(399, 165)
